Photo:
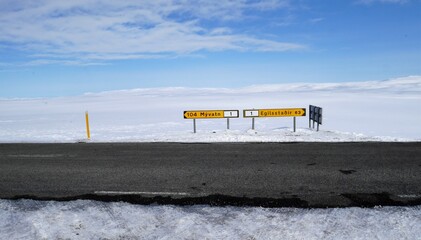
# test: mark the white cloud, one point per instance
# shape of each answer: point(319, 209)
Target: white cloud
point(368, 2)
point(316, 20)
point(107, 30)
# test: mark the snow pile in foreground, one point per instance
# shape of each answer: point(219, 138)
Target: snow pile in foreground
point(275, 135)
point(28, 219)
point(351, 112)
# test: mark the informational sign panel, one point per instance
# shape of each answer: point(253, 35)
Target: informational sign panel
point(251, 113)
point(315, 115)
point(276, 112)
point(204, 114)
point(195, 114)
point(281, 112)
point(231, 114)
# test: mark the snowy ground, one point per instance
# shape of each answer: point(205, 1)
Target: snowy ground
point(368, 111)
point(365, 111)
point(27, 219)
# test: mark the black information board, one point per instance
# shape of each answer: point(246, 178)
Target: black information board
point(315, 115)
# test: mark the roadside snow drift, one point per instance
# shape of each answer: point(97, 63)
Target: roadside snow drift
point(27, 219)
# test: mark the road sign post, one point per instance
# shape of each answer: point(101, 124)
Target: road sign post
point(209, 114)
point(251, 113)
point(281, 112)
point(294, 123)
point(311, 110)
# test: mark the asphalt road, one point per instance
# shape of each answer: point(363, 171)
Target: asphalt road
point(254, 174)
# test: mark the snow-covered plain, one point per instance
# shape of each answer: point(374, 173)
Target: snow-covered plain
point(362, 111)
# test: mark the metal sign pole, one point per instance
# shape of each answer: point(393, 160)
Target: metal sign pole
point(294, 124)
point(194, 125)
point(252, 123)
point(317, 126)
point(228, 123)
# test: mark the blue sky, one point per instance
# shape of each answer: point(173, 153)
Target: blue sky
point(61, 48)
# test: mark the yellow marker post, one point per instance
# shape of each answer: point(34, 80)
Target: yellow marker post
point(88, 133)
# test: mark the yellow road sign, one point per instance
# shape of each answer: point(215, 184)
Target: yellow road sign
point(281, 112)
point(194, 114)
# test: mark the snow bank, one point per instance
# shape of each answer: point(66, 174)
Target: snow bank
point(27, 219)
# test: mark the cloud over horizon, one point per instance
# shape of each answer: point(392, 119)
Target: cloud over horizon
point(79, 31)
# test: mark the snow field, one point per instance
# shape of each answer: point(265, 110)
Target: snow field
point(367, 111)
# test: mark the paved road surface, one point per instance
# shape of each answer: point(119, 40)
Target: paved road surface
point(256, 174)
